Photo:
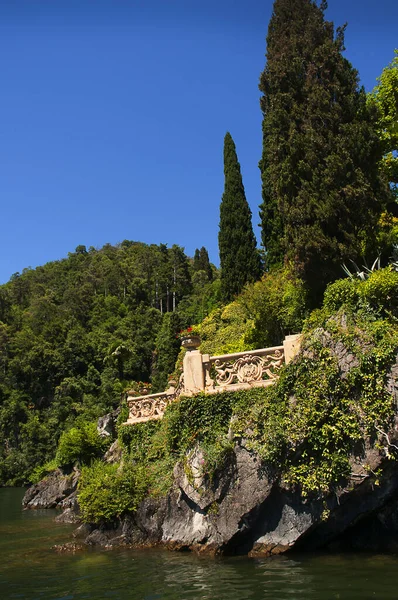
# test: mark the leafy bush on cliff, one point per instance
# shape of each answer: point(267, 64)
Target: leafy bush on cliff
point(378, 293)
point(107, 492)
point(80, 445)
point(260, 317)
point(277, 305)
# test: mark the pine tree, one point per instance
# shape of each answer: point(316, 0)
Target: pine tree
point(239, 258)
point(322, 190)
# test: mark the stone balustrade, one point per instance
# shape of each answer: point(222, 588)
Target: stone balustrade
point(148, 408)
point(243, 369)
point(212, 374)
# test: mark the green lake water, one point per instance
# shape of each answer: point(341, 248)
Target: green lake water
point(30, 569)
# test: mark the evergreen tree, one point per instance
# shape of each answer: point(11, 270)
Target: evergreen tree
point(205, 263)
point(385, 95)
point(167, 348)
point(196, 260)
point(322, 190)
point(201, 262)
point(239, 258)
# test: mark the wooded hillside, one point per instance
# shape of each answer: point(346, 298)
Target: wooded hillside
point(76, 332)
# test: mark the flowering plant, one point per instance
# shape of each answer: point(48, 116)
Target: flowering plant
point(189, 331)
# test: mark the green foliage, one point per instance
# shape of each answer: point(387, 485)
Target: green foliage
point(276, 306)
point(342, 292)
point(307, 427)
point(322, 188)
point(385, 96)
point(205, 297)
point(107, 492)
point(379, 292)
point(145, 444)
point(136, 440)
point(202, 418)
point(156, 446)
point(80, 444)
point(75, 333)
point(263, 314)
point(167, 349)
point(42, 471)
point(225, 329)
point(239, 258)
point(201, 262)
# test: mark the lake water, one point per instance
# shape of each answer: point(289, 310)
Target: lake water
point(30, 569)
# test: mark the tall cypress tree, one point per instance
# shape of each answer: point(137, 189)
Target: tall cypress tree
point(322, 190)
point(201, 262)
point(239, 258)
point(196, 260)
point(205, 263)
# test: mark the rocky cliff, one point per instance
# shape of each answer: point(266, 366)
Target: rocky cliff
point(248, 506)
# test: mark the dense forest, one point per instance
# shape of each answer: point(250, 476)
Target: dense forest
point(75, 333)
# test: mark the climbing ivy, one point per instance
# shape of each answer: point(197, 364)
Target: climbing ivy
point(307, 427)
point(328, 405)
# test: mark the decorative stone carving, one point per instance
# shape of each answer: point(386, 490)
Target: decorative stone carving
point(150, 407)
point(248, 368)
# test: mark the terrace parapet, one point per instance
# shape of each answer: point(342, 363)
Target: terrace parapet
point(213, 374)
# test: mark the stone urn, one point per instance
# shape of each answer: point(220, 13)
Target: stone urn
point(190, 342)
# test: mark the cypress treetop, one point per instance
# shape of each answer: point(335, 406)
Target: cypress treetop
point(321, 185)
point(239, 257)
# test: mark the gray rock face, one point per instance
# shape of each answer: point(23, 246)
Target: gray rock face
point(243, 511)
point(106, 425)
point(114, 453)
point(71, 510)
point(58, 490)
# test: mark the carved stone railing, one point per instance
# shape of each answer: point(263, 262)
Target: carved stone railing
point(212, 374)
point(148, 408)
point(254, 368)
point(152, 406)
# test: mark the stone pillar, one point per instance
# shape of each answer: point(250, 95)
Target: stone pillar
point(194, 380)
point(291, 346)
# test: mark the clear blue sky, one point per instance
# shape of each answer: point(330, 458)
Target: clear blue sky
point(113, 115)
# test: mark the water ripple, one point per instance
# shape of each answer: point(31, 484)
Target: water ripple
point(29, 570)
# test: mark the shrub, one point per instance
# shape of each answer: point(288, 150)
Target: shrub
point(276, 306)
point(80, 444)
point(42, 471)
point(261, 316)
point(342, 292)
point(107, 492)
point(223, 331)
point(379, 291)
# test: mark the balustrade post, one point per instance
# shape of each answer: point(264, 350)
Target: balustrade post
point(194, 380)
point(291, 345)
